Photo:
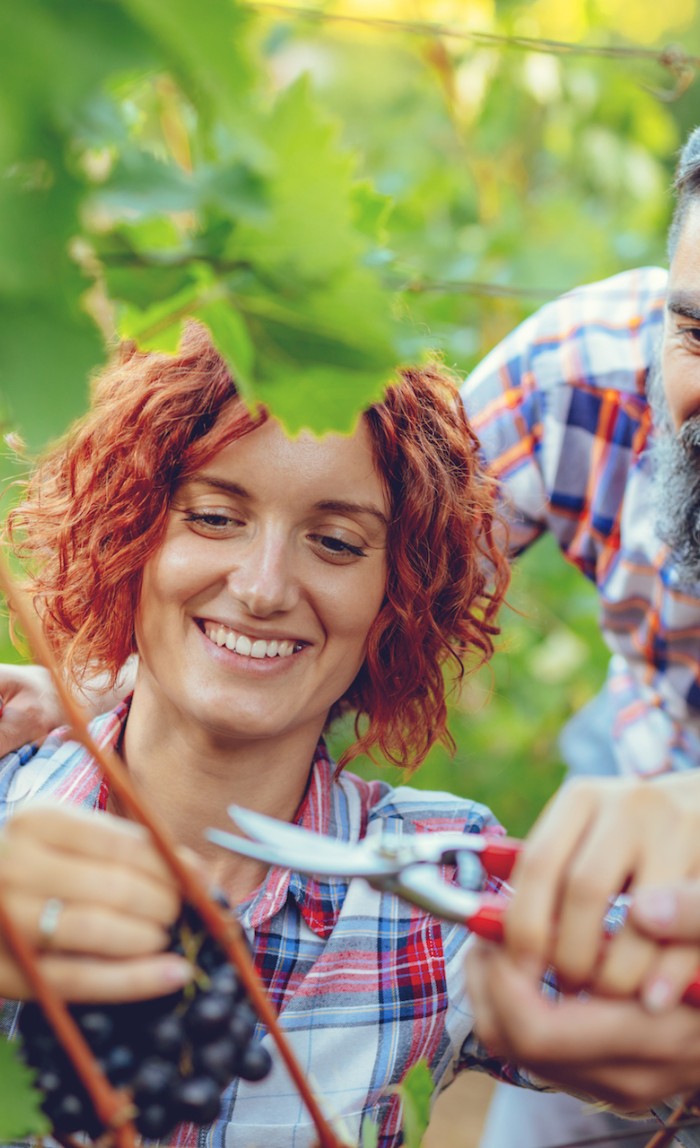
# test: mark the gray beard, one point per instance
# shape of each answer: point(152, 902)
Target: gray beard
point(676, 462)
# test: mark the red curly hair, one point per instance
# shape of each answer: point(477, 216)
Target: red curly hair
point(96, 506)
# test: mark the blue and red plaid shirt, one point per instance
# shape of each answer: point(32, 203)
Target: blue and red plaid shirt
point(365, 984)
point(562, 412)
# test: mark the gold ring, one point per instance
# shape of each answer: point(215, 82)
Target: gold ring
point(48, 921)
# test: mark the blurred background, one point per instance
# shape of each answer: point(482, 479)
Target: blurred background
point(519, 148)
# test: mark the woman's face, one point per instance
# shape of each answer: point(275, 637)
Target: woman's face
point(255, 610)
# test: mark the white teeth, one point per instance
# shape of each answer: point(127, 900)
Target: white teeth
point(249, 647)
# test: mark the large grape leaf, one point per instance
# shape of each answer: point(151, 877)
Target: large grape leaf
point(416, 1090)
point(205, 44)
point(20, 1115)
point(309, 231)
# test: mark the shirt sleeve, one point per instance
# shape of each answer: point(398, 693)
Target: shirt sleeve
point(560, 408)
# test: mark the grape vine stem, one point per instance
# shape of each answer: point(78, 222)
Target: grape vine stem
point(223, 927)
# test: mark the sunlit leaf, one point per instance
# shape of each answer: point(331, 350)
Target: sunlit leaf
point(20, 1115)
point(206, 44)
point(416, 1090)
point(232, 340)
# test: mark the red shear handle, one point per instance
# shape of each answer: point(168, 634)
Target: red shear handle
point(487, 922)
point(691, 996)
point(500, 855)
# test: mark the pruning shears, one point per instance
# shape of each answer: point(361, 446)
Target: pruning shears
point(406, 865)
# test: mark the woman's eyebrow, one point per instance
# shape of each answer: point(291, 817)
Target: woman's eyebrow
point(340, 506)
point(218, 484)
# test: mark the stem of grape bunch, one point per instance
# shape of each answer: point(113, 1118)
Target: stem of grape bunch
point(222, 926)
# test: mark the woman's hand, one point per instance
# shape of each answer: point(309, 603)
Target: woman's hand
point(595, 838)
point(115, 900)
point(613, 1050)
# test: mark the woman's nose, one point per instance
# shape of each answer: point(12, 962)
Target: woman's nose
point(264, 580)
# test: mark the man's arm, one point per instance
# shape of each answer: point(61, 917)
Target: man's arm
point(31, 707)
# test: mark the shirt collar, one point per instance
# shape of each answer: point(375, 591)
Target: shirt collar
point(325, 809)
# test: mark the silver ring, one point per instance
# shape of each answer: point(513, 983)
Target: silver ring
point(48, 921)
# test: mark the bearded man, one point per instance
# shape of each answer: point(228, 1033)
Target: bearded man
point(589, 414)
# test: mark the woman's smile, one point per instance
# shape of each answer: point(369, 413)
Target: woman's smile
point(248, 645)
point(255, 610)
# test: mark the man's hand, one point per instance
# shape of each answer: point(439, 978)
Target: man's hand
point(612, 1050)
point(92, 893)
point(595, 838)
point(30, 706)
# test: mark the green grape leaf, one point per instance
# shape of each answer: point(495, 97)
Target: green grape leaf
point(326, 356)
point(309, 232)
point(20, 1115)
point(206, 46)
point(369, 1134)
point(416, 1090)
point(320, 399)
point(232, 340)
point(158, 327)
point(371, 210)
point(143, 185)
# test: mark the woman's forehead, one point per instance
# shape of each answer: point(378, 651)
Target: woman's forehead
point(267, 457)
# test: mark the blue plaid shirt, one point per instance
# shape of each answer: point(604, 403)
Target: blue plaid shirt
point(562, 412)
point(365, 984)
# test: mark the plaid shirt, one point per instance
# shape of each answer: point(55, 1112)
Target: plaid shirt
point(561, 409)
point(365, 984)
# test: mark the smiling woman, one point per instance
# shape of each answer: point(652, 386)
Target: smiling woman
point(267, 585)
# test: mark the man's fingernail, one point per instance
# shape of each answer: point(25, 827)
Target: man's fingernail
point(657, 906)
point(177, 971)
point(657, 995)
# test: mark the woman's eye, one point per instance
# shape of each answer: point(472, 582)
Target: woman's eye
point(337, 547)
point(211, 521)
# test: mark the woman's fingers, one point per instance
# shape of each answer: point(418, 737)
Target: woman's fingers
point(87, 858)
point(110, 899)
point(39, 872)
point(87, 834)
point(80, 980)
point(93, 930)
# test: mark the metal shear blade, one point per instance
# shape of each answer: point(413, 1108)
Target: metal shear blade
point(373, 855)
point(317, 856)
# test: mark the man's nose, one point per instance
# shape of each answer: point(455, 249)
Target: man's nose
point(264, 579)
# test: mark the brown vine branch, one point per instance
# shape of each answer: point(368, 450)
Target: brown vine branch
point(666, 1135)
point(673, 57)
point(223, 927)
point(113, 1107)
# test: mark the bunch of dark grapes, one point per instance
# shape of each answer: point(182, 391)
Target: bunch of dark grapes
point(174, 1054)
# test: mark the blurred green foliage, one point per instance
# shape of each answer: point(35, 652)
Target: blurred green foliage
point(334, 191)
point(332, 194)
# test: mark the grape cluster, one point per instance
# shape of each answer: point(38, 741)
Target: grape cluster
point(174, 1054)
